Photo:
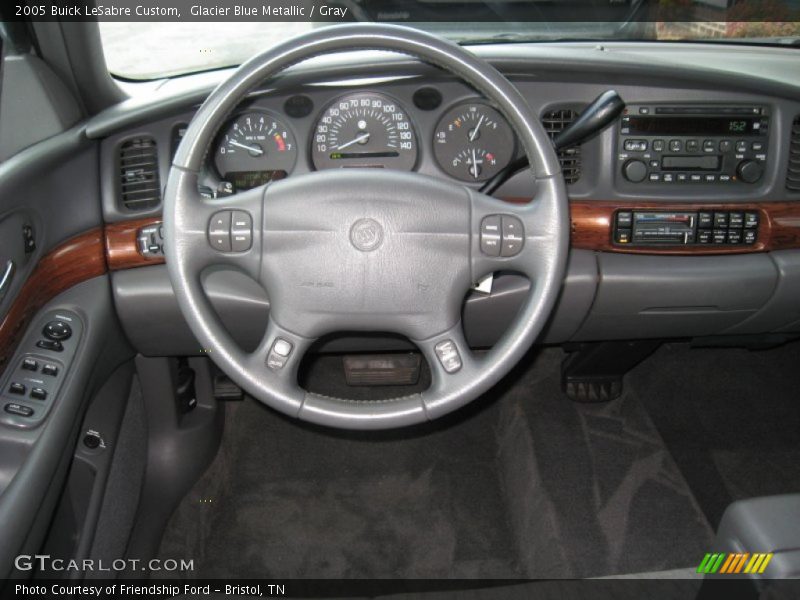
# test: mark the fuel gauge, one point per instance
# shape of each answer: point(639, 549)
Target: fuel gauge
point(473, 142)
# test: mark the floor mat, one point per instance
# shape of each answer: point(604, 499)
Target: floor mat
point(730, 418)
point(523, 483)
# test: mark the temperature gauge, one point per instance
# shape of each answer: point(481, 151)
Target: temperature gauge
point(473, 142)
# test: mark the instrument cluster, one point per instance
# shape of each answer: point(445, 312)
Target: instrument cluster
point(471, 142)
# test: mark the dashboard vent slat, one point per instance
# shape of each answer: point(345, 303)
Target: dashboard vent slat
point(793, 173)
point(139, 182)
point(555, 121)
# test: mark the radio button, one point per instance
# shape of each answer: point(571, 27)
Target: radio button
point(720, 220)
point(675, 145)
point(749, 171)
point(692, 145)
point(750, 220)
point(704, 236)
point(683, 177)
point(655, 177)
point(658, 145)
point(696, 178)
point(724, 178)
point(711, 178)
point(757, 146)
point(736, 220)
point(741, 146)
point(635, 145)
point(644, 110)
point(654, 164)
point(725, 146)
point(705, 220)
point(669, 178)
point(734, 236)
point(720, 235)
point(709, 146)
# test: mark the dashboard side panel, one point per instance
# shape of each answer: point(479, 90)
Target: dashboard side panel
point(676, 296)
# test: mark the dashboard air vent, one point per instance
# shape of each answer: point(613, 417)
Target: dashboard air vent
point(793, 173)
point(139, 184)
point(554, 123)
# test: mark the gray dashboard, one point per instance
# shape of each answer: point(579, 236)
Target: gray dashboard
point(605, 296)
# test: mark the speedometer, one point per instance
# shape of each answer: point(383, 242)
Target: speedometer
point(364, 130)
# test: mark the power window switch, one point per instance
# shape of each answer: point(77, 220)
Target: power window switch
point(21, 410)
point(30, 364)
point(17, 388)
point(38, 393)
point(48, 369)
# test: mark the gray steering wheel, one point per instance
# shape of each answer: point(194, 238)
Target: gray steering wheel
point(365, 249)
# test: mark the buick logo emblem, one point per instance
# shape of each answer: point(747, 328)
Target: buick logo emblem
point(366, 234)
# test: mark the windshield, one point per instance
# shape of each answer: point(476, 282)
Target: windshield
point(151, 50)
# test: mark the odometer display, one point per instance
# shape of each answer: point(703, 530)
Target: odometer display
point(364, 130)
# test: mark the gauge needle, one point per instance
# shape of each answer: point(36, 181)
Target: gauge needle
point(254, 149)
point(475, 131)
point(360, 138)
point(474, 165)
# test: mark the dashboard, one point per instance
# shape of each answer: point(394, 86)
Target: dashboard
point(685, 212)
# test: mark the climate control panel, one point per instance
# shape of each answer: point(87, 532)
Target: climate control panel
point(682, 228)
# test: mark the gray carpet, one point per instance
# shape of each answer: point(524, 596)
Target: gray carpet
point(523, 483)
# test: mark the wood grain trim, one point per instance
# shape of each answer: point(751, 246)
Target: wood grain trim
point(76, 260)
point(122, 251)
point(779, 227)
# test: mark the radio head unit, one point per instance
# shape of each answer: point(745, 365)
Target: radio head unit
point(699, 144)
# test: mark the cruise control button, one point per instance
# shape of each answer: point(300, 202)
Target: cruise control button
point(219, 231)
point(512, 236)
point(38, 393)
point(241, 231)
point(490, 235)
point(18, 409)
point(448, 355)
point(16, 388)
point(279, 354)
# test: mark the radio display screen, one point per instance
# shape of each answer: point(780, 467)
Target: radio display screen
point(693, 125)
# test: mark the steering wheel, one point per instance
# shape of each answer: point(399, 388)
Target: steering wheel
point(365, 249)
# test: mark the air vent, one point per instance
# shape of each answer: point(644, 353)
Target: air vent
point(793, 172)
point(554, 123)
point(140, 187)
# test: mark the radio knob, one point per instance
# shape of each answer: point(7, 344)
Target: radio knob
point(749, 171)
point(635, 171)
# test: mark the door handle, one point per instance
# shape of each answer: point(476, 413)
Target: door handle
point(5, 279)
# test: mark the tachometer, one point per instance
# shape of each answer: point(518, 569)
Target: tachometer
point(473, 142)
point(364, 130)
point(255, 148)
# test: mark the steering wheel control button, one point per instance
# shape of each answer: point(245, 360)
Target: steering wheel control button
point(16, 388)
point(491, 235)
point(241, 231)
point(19, 410)
point(219, 231)
point(57, 330)
point(30, 364)
point(279, 354)
point(50, 345)
point(48, 369)
point(448, 355)
point(38, 393)
point(512, 236)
